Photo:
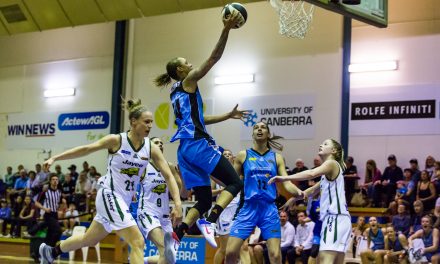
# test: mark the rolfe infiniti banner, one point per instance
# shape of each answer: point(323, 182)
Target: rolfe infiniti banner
point(403, 110)
point(56, 129)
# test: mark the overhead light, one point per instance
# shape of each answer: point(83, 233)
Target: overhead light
point(373, 66)
point(234, 79)
point(59, 92)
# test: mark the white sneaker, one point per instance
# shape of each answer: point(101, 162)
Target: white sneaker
point(208, 231)
point(171, 244)
point(7, 236)
point(45, 254)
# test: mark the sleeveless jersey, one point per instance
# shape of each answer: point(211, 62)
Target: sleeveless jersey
point(257, 170)
point(153, 195)
point(313, 212)
point(427, 239)
point(125, 168)
point(333, 196)
point(395, 246)
point(188, 110)
point(378, 239)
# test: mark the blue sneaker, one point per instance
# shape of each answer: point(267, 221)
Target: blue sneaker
point(208, 231)
point(46, 254)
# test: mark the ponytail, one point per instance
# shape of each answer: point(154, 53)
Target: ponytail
point(272, 143)
point(162, 80)
point(339, 155)
point(165, 79)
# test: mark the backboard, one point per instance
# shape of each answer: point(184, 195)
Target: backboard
point(373, 12)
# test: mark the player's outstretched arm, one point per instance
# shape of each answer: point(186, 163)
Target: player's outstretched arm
point(234, 114)
point(327, 168)
point(281, 170)
point(312, 190)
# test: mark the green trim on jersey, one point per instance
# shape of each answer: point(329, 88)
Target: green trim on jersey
point(112, 187)
point(143, 194)
point(149, 218)
point(329, 193)
point(142, 222)
point(336, 229)
point(337, 199)
point(106, 207)
point(152, 164)
point(325, 233)
point(121, 214)
point(131, 144)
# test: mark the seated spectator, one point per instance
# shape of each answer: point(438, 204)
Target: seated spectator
point(391, 175)
point(299, 166)
point(414, 166)
point(358, 233)
point(287, 236)
point(350, 178)
point(19, 187)
point(430, 237)
point(395, 245)
point(41, 175)
point(72, 221)
point(33, 187)
point(9, 177)
point(401, 221)
point(373, 178)
point(303, 240)
point(27, 216)
point(59, 173)
point(377, 236)
point(437, 213)
point(436, 177)
point(82, 187)
point(93, 175)
point(15, 217)
point(68, 188)
point(5, 217)
point(430, 166)
point(426, 192)
point(360, 199)
point(73, 173)
point(416, 221)
point(17, 174)
point(3, 188)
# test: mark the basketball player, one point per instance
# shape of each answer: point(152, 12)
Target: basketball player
point(430, 237)
point(153, 210)
point(198, 155)
point(333, 207)
point(376, 235)
point(257, 165)
point(129, 155)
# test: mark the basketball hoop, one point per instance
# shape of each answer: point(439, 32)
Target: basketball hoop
point(295, 18)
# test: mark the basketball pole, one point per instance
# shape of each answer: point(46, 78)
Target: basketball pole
point(345, 102)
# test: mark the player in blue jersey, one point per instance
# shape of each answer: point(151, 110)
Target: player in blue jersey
point(198, 155)
point(257, 165)
point(336, 229)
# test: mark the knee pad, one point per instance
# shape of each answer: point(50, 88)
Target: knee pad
point(203, 205)
point(235, 187)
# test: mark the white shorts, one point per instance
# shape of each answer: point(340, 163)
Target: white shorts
point(112, 212)
point(147, 222)
point(335, 233)
point(224, 221)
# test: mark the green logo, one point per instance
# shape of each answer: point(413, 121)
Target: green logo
point(159, 189)
point(162, 116)
point(130, 171)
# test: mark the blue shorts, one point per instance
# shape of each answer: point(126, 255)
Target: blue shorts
point(197, 159)
point(257, 213)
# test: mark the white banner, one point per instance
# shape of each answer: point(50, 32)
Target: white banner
point(289, 116)
point(56, 129)
point(403, 110)
point(163, 125)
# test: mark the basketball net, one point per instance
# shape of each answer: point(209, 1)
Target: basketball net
point(295, 18)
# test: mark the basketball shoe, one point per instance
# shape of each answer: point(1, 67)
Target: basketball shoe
point(208, 231)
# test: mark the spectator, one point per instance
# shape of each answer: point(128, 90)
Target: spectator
point(416, 221)
point(68, 188)
point(32, 187)
point(429, 166)
point(5, 217)
point(391, 175)
point(15, 217)
point(73, 172)
point(287, 236)
point(93, 175)
point(426, 192)
point(316, 163)
point(9, 177)
point(375, 235)
point(373, 178)
point(20, 186)
point(406, 192)
point(303, 240)
point(41, 176)
point(358, 233)
point(27, 216)
point(299, 166)
point(436, 177)
point(72, 221)
point(437, 213)
point(82, 187)
point(401, 221)
point(414, 166)
point(59, 173)
point(430, 237)
point(395, 245)
point(17, 174)
point(85, 167)
point(350, 178)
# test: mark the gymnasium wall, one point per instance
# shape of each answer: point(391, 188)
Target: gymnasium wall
point(412, 38)
point(80, 57)
point(282, 66)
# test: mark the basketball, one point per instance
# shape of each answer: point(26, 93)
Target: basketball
point(227, 10)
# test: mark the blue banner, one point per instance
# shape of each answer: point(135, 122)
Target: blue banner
point(191, 251)
point(82, 121)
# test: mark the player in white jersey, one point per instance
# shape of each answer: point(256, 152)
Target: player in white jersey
point(154, 210)
point(336, 220)
point(129, 155)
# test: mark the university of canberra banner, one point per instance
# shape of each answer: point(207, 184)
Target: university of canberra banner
point(56, 129)
point(191, 250)
point(289, 116)
point(406, 110)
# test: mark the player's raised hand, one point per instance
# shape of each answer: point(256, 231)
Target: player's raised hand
point(232, 20)
point(238, 114)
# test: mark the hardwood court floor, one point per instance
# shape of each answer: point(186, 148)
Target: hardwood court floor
point(26, 260)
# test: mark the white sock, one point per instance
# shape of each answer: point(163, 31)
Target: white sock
point(146, 260)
